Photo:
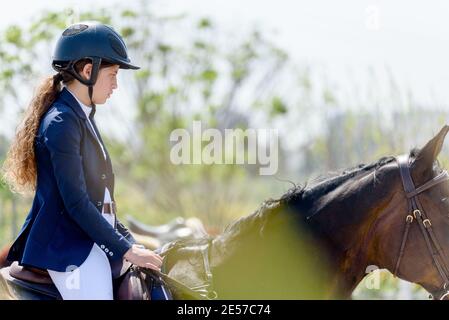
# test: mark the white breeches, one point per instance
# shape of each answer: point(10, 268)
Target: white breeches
point(90, 281)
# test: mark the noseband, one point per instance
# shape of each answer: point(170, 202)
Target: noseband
point(416, 212)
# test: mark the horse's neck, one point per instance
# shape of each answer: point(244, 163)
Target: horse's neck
point(345, 224)
point(350, 235)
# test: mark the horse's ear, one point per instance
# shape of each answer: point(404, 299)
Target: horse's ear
point(425, 158)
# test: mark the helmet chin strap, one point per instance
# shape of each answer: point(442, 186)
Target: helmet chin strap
point(91, 91)
point(96, 63)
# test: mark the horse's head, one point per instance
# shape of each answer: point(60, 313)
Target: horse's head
point(412, 232)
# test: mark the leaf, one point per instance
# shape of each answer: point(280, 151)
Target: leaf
point(199, 45)
point(329, 97)
point(209, 75)
point(143, 74)
point(164, 48)
point(7, 74)
point(13, 35)
point(128, 14)
point(127, 32)
point(204, 23)
point(278, 106)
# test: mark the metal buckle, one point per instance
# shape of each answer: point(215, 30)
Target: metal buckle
point(212, 295)
point(428, 221)
point(409, 218)
point(444, 295)
point(415, 212)
point(111, 207)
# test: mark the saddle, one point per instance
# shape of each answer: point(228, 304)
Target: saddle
point(29, 274)
point(155, 231)
point(29, 283)
point(175, 229)
point(130, 282)
point(132, 285)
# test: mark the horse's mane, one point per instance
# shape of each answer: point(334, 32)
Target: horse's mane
point(301, 196)
point(295, 197)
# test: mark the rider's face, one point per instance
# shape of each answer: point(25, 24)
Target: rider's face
point(106, 83)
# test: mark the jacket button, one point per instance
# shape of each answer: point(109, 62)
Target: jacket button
point(103, 176)
point(99, 203)
point(106, 250)
point(111, 254)
point(102, 246)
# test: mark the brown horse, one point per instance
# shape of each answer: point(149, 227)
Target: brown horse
point(317, 241)
point(3, 254)
point(348, 222)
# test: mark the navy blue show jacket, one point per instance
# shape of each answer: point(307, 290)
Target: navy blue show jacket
point(65, 218)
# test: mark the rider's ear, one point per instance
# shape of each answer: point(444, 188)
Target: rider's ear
point(422, 166)
point(87, 70)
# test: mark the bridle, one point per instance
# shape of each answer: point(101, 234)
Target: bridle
point(416, 212)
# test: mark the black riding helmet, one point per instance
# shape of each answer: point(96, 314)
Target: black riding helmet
point(90, 40)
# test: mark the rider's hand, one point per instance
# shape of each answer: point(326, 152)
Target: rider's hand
point(143, 258)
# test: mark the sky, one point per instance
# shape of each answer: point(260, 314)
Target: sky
point(409, 37)
point(347, 39)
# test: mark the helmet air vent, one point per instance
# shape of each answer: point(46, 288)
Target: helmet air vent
point(75, 29)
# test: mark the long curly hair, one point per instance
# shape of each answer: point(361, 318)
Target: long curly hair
point(20, 169)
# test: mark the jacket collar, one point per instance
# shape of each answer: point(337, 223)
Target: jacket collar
point(70, 100)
